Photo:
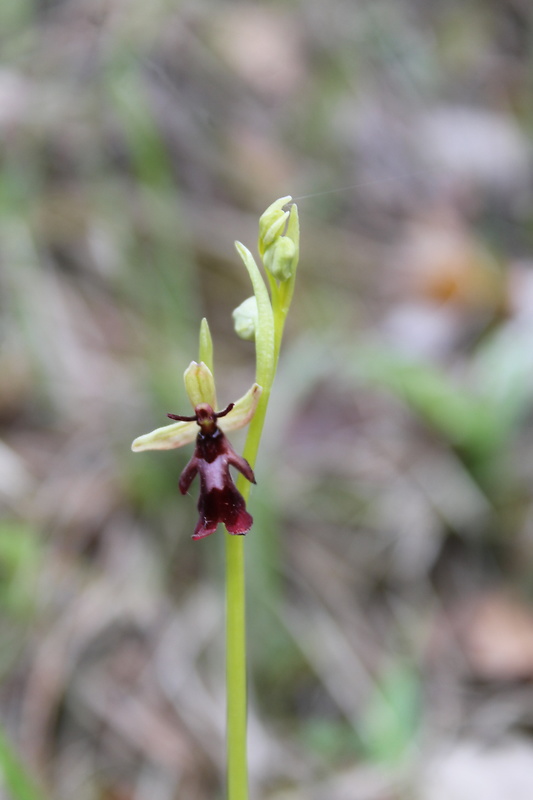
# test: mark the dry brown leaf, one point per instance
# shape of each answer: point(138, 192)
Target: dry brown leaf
point(448, 265)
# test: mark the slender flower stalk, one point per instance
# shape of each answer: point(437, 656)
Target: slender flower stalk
point(261, 318)
point(271, 313)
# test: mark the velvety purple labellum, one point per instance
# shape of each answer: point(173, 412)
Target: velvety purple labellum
point(220, 500)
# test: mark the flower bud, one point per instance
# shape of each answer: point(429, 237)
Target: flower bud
point(275, 230)
point(279, 258)
point(245, 319)
point(272, 222)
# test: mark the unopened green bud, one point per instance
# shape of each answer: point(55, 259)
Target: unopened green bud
point(272, 222)
point(275, 230)
point(245, 319)
point(279, 258)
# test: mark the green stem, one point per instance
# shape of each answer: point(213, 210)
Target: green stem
point(236, 692)
point(237, 769)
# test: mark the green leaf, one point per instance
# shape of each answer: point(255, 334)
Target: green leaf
point(503, 367)
point(463, 417)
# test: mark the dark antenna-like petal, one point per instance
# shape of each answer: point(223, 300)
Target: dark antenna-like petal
point(226, 411)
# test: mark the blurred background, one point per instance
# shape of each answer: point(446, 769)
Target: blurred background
point(391, 562)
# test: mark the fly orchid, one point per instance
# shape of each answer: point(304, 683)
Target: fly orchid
point(260, 319)
point(220, 500)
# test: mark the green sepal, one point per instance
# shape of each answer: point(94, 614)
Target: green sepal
point(200, 384)
point(243, 410)
point(170, 437)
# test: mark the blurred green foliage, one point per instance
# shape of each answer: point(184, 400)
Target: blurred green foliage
point(20, 558)
point(14, 775)
point(389, 725)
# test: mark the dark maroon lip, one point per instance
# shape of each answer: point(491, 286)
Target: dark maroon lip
point(220, 501)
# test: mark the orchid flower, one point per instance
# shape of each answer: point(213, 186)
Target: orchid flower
point(220, 500)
